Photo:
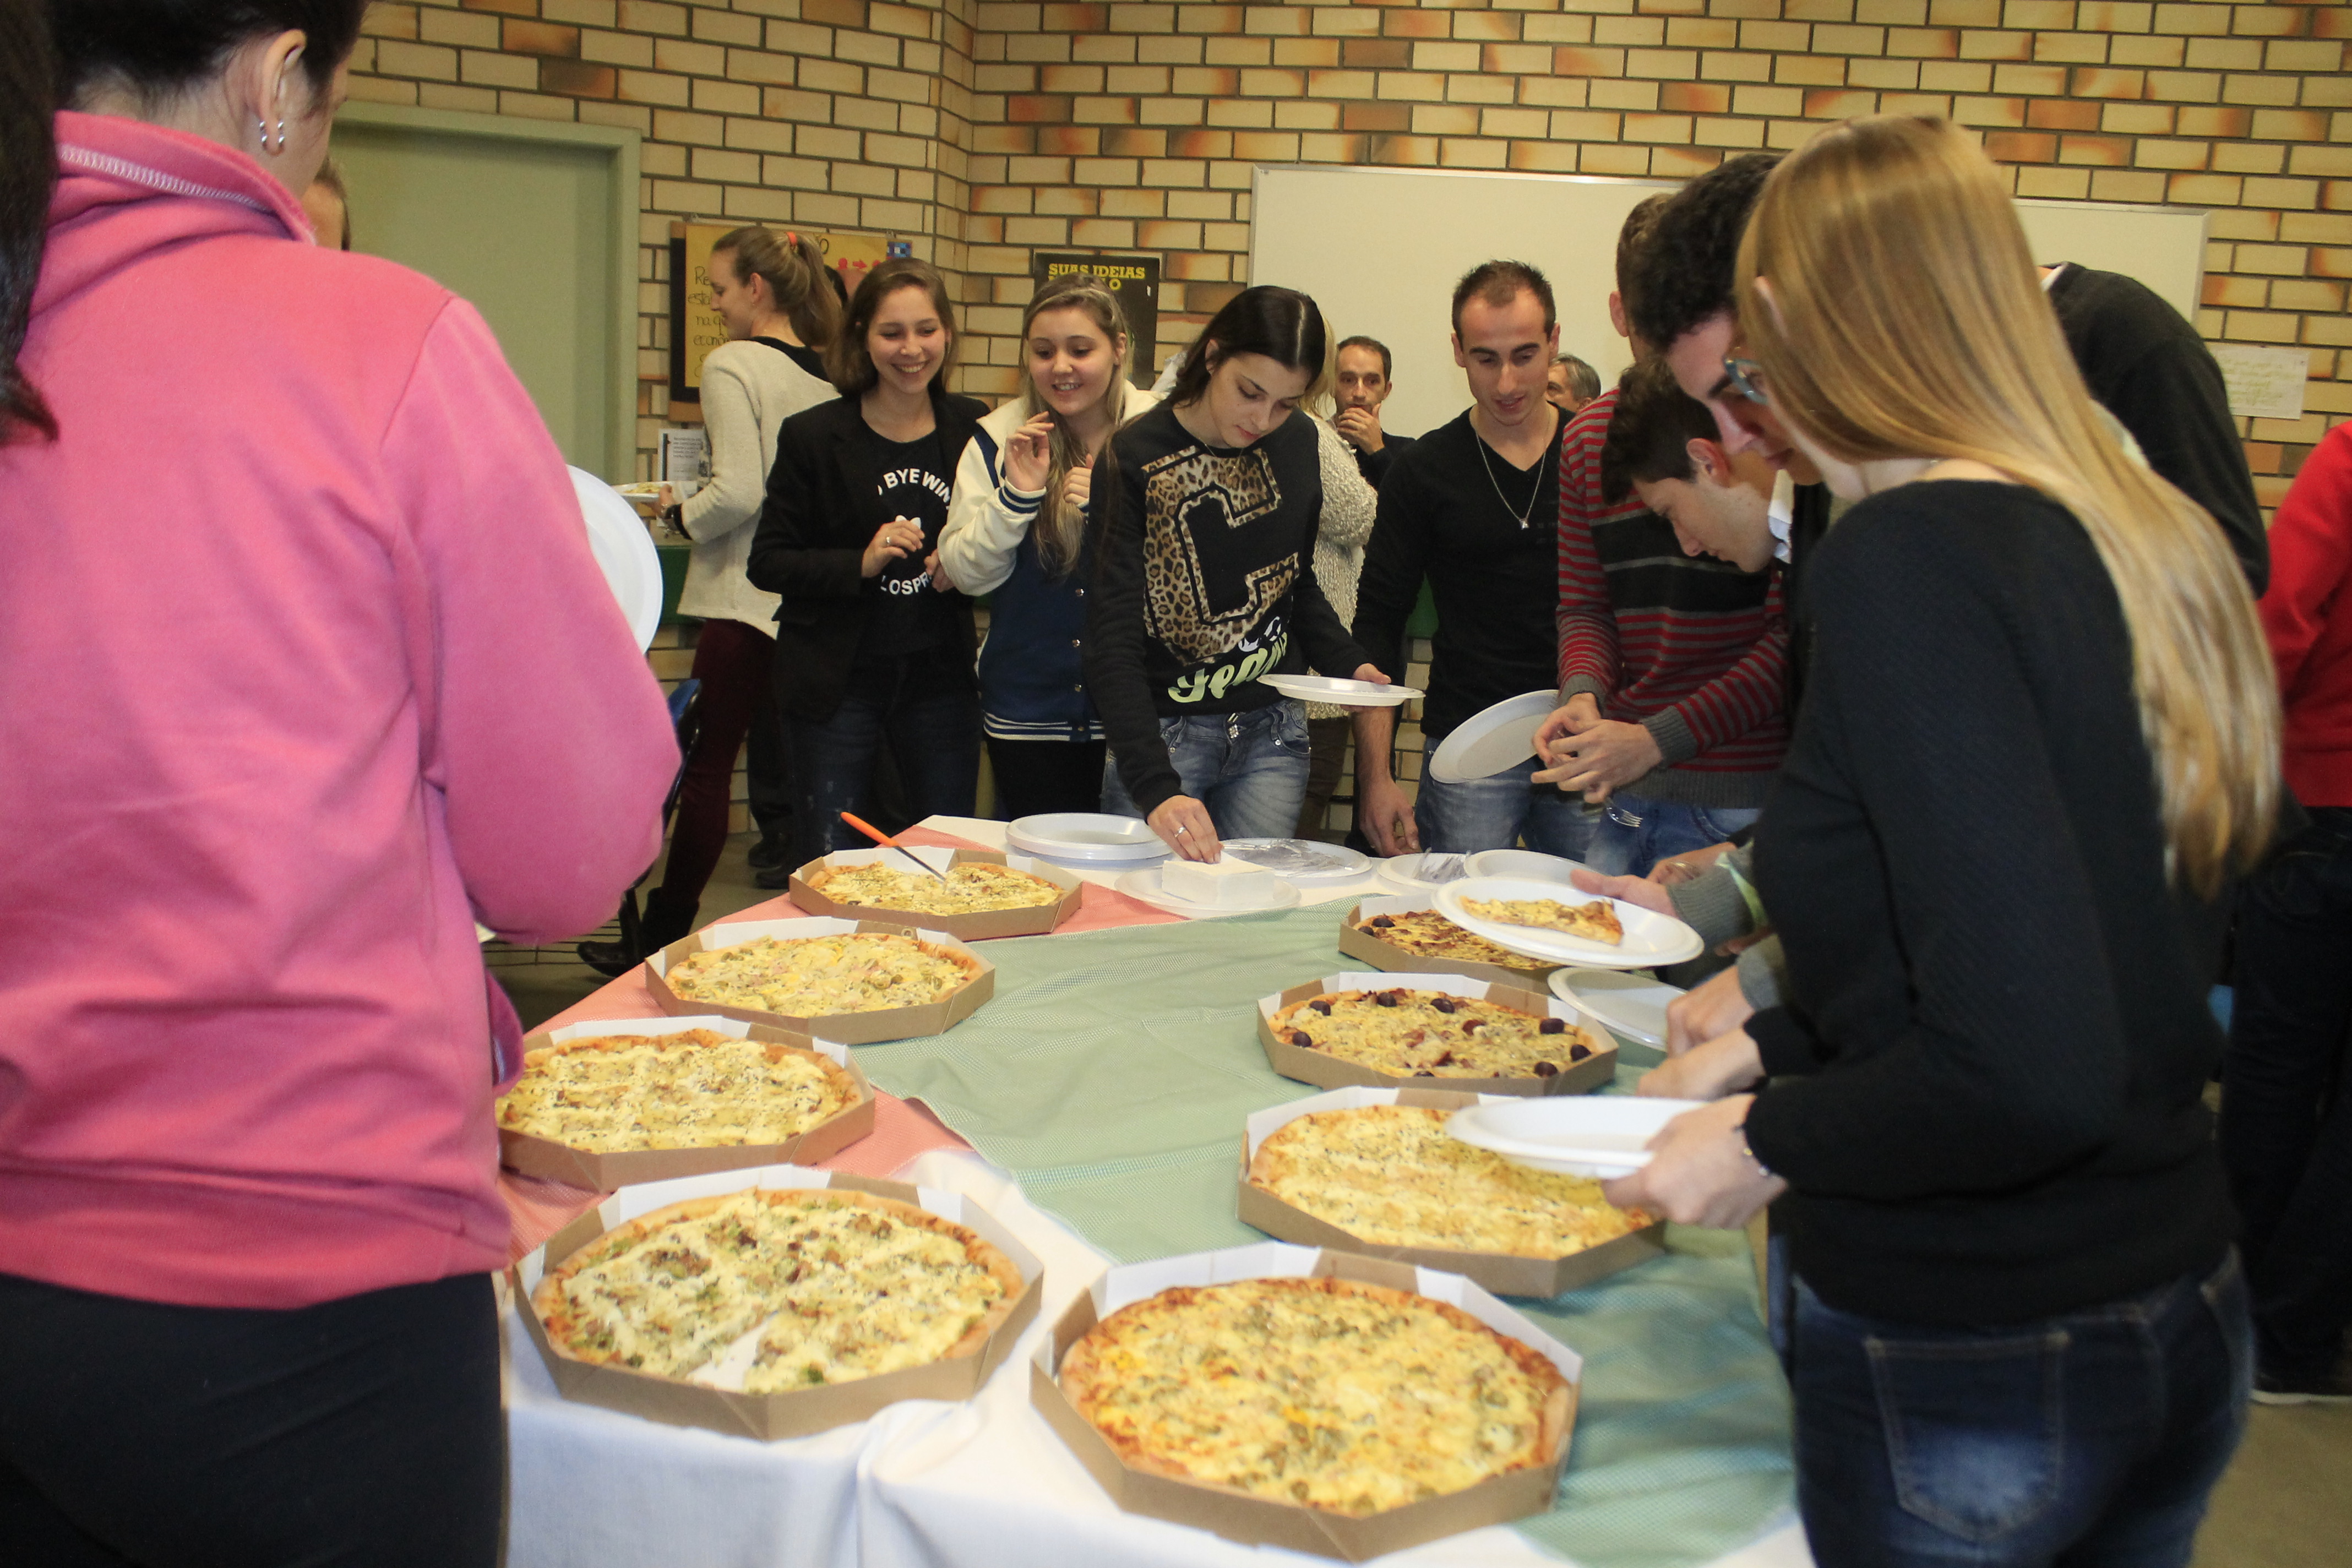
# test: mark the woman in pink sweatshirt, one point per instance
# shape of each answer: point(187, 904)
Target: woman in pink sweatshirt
point(308, 667)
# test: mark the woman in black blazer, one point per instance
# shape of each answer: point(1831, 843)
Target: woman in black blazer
point(874, 645)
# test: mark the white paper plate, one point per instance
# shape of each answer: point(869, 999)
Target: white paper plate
point(1403, 872)
point(1528, 863)
point(1085, 838)
point(1633, 1005)
point(1145, 884)
point(1493, 740)
point(1344, 693)
point(1599, 1135)
point(1302, 860)
point(625, 551)
point(1651, 939)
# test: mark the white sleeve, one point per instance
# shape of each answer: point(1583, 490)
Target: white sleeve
point(986, 521)
point(738, 484)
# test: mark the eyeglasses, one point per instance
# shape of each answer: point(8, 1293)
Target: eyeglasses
point(1747, 378)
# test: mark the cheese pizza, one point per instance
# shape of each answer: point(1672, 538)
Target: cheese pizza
point(975, 887)
point(1388, 1175)
point(1595, 921)
point(789, 1287)
point(1428, 934)
point(1433, 1033)
point(809, 977)
point(696, 1089)
point(1341, 1395)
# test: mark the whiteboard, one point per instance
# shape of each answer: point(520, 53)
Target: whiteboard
point(1380, 249)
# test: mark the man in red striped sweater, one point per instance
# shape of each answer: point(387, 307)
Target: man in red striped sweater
point(1671, 667)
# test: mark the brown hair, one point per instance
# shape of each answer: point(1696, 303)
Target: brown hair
point(1640, 223)
point(1906, 319)
point(1282, 324)
point(1060, 529)
point(792, 268)
point(1651, 430)
point(1497, 283)
point(853, 368)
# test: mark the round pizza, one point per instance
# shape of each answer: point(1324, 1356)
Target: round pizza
point(1428, 934)
point(1388, 1175)
point(975, 887)
point(1434, 1033)
point(775, 1288)
point(696, 1089)
point(815, 976)
point(1341, 1395)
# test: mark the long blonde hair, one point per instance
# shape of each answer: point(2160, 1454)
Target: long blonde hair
point(1905, 319)
point(1060, 529)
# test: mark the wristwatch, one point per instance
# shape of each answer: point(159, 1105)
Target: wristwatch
point(673, 517)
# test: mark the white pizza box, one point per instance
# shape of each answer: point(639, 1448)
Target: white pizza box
point(1361, 944)
point(601, 1172)
point(1506, 1274)
point(1036, 921)
point(850, 1028)
point(1577, 1074)
point(796, 1411)
point(1255, 1520)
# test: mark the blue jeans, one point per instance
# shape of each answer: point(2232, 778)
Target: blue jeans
point(1493, 813)
point(1249, 769)
point(1634, 834)
point(2089, 1438)
point(916, 707)
point(2286, 1097)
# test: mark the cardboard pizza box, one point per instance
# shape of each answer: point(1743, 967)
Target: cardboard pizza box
point(796, 1411)
point(1505, 1274)
point(1313, 1066)
point(1262, 1521)
point(850, 1028)
point(1362, 945)
point(601, 1172)
point(1036, 921)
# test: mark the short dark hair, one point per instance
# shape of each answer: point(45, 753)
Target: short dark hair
point(1282, 324)
point(1683, 271)
point(1650, 430)
point(29, 172)
point(157, 47)
point(1500, 282)
point(1582, 379)
point(847, 357)
point(1629, 241)
point(1378, 347)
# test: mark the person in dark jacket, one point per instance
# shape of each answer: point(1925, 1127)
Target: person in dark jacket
point(2040, 742)
point(873, 644)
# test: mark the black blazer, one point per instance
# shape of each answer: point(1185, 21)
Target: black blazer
point(822, 511)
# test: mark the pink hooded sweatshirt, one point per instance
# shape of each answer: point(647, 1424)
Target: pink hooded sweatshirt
point(307, 666)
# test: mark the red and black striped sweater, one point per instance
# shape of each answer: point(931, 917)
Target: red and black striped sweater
point(1691, 647)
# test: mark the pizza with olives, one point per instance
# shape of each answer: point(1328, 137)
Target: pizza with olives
point(1434, 1033)
point(1428, 934)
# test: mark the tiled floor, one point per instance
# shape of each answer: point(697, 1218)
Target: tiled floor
point(2285, 1503)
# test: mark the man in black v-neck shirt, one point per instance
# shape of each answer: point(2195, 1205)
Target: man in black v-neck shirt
point(1473, 506)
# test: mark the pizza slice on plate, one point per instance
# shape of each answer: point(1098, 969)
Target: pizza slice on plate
point(1595, 921)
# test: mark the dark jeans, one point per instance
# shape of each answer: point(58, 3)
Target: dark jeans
point(1037, 776)
point(361, 1432)
point(2090, 1438)
point(2286, 1120)
point(1328, 740)
point(766, 781)
point(734, 663)
point(924, 710)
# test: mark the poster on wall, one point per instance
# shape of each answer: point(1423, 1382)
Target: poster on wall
point(695, 328)
point(1135, 280)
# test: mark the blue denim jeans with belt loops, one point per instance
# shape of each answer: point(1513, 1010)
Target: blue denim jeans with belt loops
point(2092, 1437)
point(1249, 769)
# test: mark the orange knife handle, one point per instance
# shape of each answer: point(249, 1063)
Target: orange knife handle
point(868, 829)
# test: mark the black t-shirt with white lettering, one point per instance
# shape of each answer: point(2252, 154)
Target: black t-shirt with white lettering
point(914, 480)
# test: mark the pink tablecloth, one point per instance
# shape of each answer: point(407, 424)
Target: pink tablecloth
point(902, 1129)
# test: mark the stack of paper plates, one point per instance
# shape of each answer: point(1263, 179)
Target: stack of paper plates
point(1302, 860)
point(1633, 1005)
point(1602, 1135)
point(1087, 838)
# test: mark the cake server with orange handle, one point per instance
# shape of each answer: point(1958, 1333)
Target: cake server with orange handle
point(887, 842)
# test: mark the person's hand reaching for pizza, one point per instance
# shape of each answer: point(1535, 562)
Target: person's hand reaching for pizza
point(1183, 824)
point(1387, 817)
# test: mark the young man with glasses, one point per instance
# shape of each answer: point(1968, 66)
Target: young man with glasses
point(1470, 507)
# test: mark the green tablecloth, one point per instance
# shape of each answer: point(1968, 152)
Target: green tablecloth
point(1112, 1073)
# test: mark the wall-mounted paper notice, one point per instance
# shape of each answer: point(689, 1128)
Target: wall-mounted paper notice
point(685, 460)
point(2266, 383)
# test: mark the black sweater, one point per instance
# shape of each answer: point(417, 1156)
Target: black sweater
point(1494, 582)
point(1986, 1093)
point(1202, 584)
point(2156, 375)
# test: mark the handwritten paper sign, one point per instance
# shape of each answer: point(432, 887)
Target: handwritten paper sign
point(2265, 384)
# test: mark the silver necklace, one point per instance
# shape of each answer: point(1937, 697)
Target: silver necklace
point(1523, 513)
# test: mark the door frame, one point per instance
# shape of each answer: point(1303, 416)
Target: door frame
point(621, 147)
